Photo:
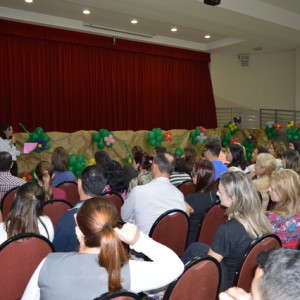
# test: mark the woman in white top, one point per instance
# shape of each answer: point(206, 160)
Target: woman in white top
point(102, 264)
point(25, 215)
point(7, 144)
point(236, 157)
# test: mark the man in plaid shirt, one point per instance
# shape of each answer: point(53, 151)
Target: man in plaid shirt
point(7, 181)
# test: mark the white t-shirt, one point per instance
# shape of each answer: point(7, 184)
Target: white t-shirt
point(46, 221)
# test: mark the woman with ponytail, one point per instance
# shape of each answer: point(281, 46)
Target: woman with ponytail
point(102, 264)
point(44, 172)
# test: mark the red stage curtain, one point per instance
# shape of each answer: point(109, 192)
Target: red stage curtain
point(68, 81)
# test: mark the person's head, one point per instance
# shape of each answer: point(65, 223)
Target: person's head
point(44, 172)
point(265, 164)
point(190, 156)
point(212, 149)
point(203, 175)
point(239, 195)
point(5, 161)
point(115, 176)
point(291, 160)
point(236, 156)
point(257, 151)
point(59, 159)
point(91, 183)
point(96, 219)
point(276, 149)
point(135, 149)
point(163, 165)
point(6, 131)
point(142, 161)
point(181, 165)
point(285, 192)
point(277, 275)
point(26, 209)
point(294, 145)
point(102, 158)
point(159, 150)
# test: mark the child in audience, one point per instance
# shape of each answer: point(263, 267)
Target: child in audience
point(26, 214)
point(102, 264)
point(44, 172)
point(59, 160)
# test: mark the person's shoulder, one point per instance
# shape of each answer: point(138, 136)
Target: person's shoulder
point(68, 217)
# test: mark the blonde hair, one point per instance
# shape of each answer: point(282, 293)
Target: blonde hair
point(246, 205)
point(268, 162)
point(279, 148)
point(286, 183)
point(44, 172)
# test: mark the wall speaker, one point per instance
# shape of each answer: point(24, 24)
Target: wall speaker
point(212, 2)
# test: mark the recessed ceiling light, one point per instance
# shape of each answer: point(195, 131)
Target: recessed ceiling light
point(28, 1)
point(207, 36)
point(174, 29)
point(134, 21)
point(86, 11)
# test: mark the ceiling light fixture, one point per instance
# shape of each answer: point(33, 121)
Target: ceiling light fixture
point(86, 11)
point(134, 21)
point(174, 29)
point(207, 36)
point(28, 1)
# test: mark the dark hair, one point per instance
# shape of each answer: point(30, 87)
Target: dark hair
point(292, 159)
point(181, 165)
point(160, 150)
point(280, 280)
point(296, 144)
point(190, 156)
point(214, 146)
point(96, 219)
point(261, 149)
point(5, 161)
point(136, 149)
point(143, 159)
point(59, 159)
point(165, 162)
point(102, 158)
point(238, 156)
point(44, 172)
point(205, 172)
point(93, 180)
point(26, 210)
point(4, 127)
point(115, 176)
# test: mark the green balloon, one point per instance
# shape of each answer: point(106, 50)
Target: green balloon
point(39, 131)
point(72, 160)
point(100, 144)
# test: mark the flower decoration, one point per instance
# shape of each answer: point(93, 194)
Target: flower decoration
point(293, 133)
point(234, 140)
point(277, 126)
point(38, 136)
point(76, 164)
point(198, 135)
point(270, 129)
point(251, 138)
point(167, 136)
point(155, 137)
point(179, 150)
point(226, 138)
point(103, 138)
point(26, 176)
point(237, 120)
point(92, 161)
point(232, 126)
point(128, 158)
point(249, 146)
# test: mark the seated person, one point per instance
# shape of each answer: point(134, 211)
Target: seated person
point(26, 214)
point(246, 223)
point(59, 160)
point(102, 263)
point(181, 172)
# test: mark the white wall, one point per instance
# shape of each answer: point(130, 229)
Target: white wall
point(270, 81)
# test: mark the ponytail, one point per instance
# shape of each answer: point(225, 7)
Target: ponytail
point(44, 172)
point(112, 257)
